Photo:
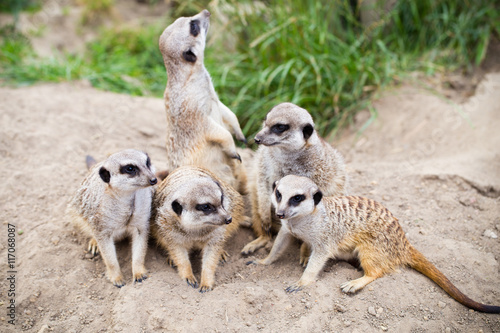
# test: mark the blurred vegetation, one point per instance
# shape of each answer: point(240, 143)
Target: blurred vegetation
point(315, 53)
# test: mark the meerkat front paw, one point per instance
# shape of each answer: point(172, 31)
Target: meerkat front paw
point(92, 248)
point(171, 262)
point(294, 288)
point(223, 257)
point(236, 156)
point(204, 289)
point(240, 137)
point(140, 276)
point(191, 280)
point(117, 281)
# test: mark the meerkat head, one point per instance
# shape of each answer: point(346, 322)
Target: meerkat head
point(295, 196)
point(128, 170)
point(183, 42)
point(287, 126)
point(200, 203)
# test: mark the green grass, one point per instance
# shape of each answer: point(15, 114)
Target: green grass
point(314, 53)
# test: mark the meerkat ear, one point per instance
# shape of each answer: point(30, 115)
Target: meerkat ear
point(105, 175)
point(176, 206)
point(189, 56)
point(274, 184)
point(307, 131)
point(317, 197)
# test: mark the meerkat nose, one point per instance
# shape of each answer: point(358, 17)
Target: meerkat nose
point(206, 13)
point(280, 216)
point(228, 220)
point(153, 181)
point(257, 140)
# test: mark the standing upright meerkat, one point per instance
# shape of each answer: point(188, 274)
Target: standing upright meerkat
point(289, 144)
point(193, 209)
point(199, 125)
point(349, 227)
point(113, 202)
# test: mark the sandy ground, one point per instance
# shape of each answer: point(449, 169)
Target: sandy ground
point(433, 163)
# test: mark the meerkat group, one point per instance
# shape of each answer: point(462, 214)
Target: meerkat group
point(296, 180)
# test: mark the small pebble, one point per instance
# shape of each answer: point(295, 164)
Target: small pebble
point(380, 310)
point(442, 305)
point(447, 330)
point(371, 310)
point(490, 234)
point(340, 308)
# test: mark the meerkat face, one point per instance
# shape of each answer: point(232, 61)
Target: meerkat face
point(295, 196)
point(287, 126)
point(128, 170)
point(200, 204)
point(184, 40)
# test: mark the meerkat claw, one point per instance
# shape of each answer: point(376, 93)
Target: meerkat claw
point(140, 279)
point(205, 289)
point(192, 282)
point(293, 289)
point(92, 248)
point(237, 157)
point(223, 257)
point(118, 283)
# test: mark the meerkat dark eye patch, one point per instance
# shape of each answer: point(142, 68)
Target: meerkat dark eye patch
point(278, 196)
point(296, 200)
point(307, 131)
point(148, 162)
point(205, 208)
point(317, 197)
point(104, 174)
point(189, 56)
point(176, 207)
point(280, 128)
point(194, 27)
point(129, 169)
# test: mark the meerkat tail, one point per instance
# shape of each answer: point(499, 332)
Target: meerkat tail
point(90, 161)
point(424, 266)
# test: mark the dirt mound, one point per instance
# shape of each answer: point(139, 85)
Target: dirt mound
point(434, 164)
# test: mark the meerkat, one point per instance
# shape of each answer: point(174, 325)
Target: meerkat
point(199, 125)
point(113, 202)
point(349, 227)
point(289, 144)
point(194, 209)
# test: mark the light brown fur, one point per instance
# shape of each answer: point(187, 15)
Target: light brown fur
point(299, 151)
point(112, 204)
point(180, 226)
point(348, 226)
point(199, 125)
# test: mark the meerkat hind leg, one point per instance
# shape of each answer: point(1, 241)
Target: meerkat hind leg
point(256, 244)
point(305, 253)
point(357, 284)
point(371, 274)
